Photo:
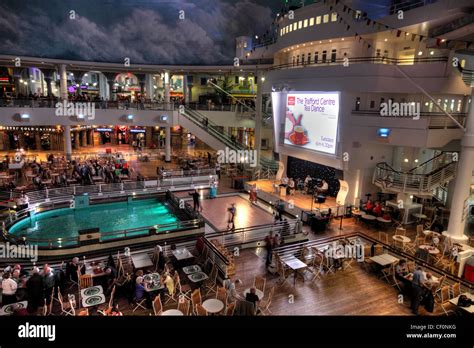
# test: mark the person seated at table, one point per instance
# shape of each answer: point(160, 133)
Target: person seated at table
point(284, 182)
point(323, 187)
point(141, 293)
point(430, 282)
point(252, 296)
point(369, 206)
point(22, 202)
point(401, 271)
point(386, 216)
point(113, 311)
point(377, 210)
point(109, 279)
point(291, 186)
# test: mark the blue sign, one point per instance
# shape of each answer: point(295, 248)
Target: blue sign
point(383, 132)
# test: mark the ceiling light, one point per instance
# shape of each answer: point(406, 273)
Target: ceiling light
point(25, 116)
point(385, 40)
point(431, 52)
point(406, 160)
point(342, 39)
point(420, 53)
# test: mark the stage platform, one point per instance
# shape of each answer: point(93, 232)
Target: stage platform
point(299, 199)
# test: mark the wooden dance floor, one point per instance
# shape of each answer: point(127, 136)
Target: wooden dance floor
point(300, 200)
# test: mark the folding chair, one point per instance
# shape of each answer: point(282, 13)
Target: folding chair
point(230, 309)
point(200, 310)
point(317, 267)
point(66, 308)
point(328, 266)
point(383, 237)
point(157, 306)
point(264, 304)
point(259, 283)
point(443, 300)
point(196, 299)
point(183, 305)
point(179, 287)
point(387, 273)
point(139, 303)
point(283, 273)
point(211, 282)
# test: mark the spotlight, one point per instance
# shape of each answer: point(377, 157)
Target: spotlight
point(129, 117)
point(25, 116)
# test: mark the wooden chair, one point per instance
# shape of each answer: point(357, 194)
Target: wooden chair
point(387, 273)
point(401, 231)
point(200, 310)
point(230, 309)
point(317, 267)
point(66, 308)
point(211, 283)
point(443, 300)
point(283, 272)
point(259, 283)
point(157, 306)
point(455, 290)
point(183, 305)
point(221, 294)
point(85, 281)
point(171, 296)
point(196, 299)
point(419, 231)
point(378, 249)
point(383, 237)
point(264, 304)
point(328, 266)
point(181, 291)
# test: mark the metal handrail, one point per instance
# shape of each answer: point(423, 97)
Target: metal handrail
point(373, 60)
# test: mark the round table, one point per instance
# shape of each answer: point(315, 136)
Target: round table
point(368, 217)
point(420, 216)
point(172, 312)
point(385, 221)
point(401, 238)
point(258, 292)
point(428, 232)
point(213, 305)
point(430, 249)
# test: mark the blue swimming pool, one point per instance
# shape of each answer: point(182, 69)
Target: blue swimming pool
point(108, 217)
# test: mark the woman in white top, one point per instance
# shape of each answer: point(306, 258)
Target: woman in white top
point(9, 287)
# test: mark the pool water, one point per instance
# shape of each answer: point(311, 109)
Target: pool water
point(108, 217)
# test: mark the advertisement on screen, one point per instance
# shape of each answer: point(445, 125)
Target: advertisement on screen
point(312, 120)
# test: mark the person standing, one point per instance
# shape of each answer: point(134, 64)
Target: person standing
point(49, 282)
point(9, 287)
point(35, 288)
point(218, 170)
point(197, 203)
point(269, 244)
point(231, 221)
point(417, 289)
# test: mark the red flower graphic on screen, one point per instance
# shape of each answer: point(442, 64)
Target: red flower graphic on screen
point(298, 134)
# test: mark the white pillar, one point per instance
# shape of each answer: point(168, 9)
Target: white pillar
point(258, 116)
point(63, 82)
point(166, 84)
point(67, 142)
point(457, 217)
point(168, 145)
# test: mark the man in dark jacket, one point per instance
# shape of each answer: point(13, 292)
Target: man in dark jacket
point(35, 287)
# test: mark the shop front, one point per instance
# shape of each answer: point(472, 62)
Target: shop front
point(31, 138)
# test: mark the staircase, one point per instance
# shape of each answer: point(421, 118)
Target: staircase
point(211, 134)
point(423, 180)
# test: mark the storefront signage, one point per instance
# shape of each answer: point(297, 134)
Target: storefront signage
point(104, 129)
point(137, 131)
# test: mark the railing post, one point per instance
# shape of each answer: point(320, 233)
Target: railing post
point(405, 182)
point(100, 188)
point(74, 190)
point(121, 186)
point(47, 192)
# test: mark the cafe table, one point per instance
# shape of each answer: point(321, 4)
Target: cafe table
point(92, 296)
point(182, 254)
point(141, 261)
point(430, 249)
point(152, 282)
point(191, 269)
point(384, 259)
point(469, 309)
point(295, 264)
point(172, 312)
point(8, 309)
point(213, 305)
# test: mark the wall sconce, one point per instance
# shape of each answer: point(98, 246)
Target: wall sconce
point(25, 116)
point(130, 117)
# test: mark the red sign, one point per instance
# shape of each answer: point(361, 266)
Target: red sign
point(291, 100)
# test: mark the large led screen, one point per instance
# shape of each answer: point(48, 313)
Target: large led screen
point(312, 120)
